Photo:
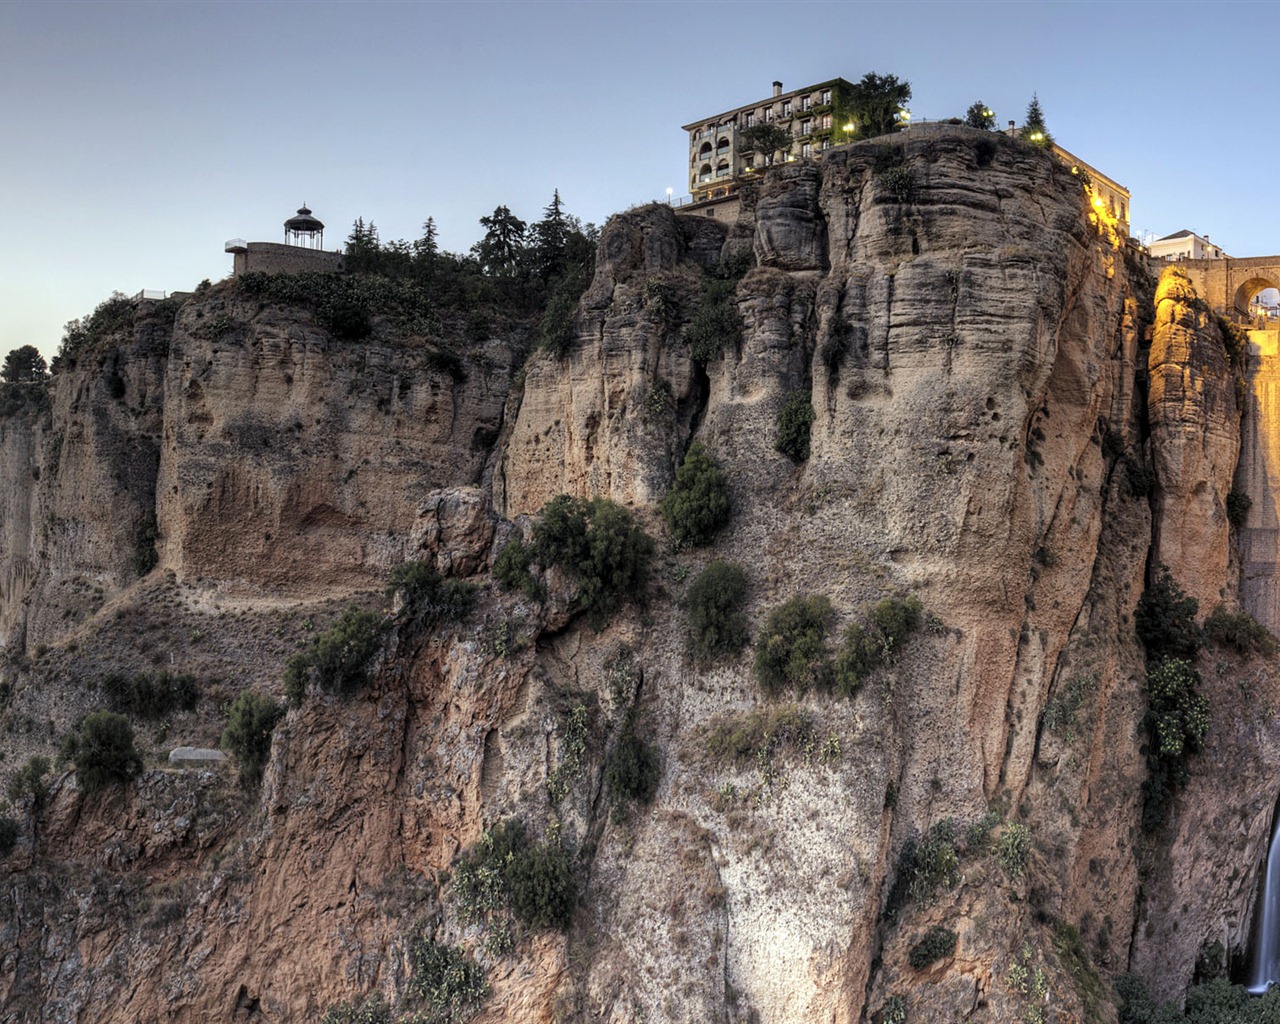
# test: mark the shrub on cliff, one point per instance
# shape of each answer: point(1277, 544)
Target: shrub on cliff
point(371, 1011)
point(715, 325)
point(543, 889)
point(24, 365)
point(938, 942)
point(338, 659)
point(1165, 620)
point(632, 770)
point(152, 695)
point(102, 750)
point(449, 982)
point(28, 783)
point(9, 832)
point(504, 870)
point(426, 598)
point(716, 602)
point(875, 641)
point(697, 507)
point(1239, 630)
point(794, 424)
point(247, 737)
point(600, 546)
point(791, 651)
point(113, 314)
point(511, 569)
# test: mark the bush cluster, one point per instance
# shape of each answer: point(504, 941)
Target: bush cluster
point(632, 771)
point(716, 325)
point(1239, 630)
point(102, 750)
point(28, 783)
point(716, 602)
point(792, 653)
point(338, 659)
point(937, 862)
point(1212, 1002)
point(760, 734)
point(247, 737)
point(1015, 849)
point(505, 870)
point(371, 1011)
point(697, 507)
point(511, 569)
point(449, 982)
point(795, 422)
point(152, 695)
point(937, 943)
point(600, 546)
point(1177, 715)
point(426, 598)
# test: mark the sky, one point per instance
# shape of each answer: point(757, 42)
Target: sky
point(136, 138)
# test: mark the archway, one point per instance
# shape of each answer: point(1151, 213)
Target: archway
point(1245, 301)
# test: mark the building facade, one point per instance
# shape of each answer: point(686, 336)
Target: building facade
point(725, 149)
point(1185, 245)
point(1108, 194)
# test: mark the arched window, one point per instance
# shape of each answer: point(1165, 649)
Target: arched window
point(722, 169)
point(704, 173)
point(704, 151)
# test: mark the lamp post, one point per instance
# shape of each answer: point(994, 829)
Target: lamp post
point(670, 190)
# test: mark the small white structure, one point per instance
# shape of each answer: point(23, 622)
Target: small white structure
point(196, 756)
point(1185, 245)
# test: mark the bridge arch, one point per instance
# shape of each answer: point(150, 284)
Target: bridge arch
point(1257, 282)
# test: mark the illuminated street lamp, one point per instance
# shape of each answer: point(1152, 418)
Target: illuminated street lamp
point(670, 190)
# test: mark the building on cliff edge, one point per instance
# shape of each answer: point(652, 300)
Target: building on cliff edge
point(1185, 245)
point(303, 250)
point(814, 119)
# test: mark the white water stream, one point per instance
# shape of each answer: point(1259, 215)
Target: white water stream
point(1265, 969)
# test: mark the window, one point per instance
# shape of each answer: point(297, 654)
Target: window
point(751, 118)
point(804, 103)
point(768, 114)
point(826, 120)
point(786, 108)
point(806, 126)
point(806, 149)
point(826, 96)
point(826, 143)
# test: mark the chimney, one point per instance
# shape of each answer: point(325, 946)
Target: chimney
point(777, 88)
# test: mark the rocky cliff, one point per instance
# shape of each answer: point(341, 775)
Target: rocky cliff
point(1009, 422)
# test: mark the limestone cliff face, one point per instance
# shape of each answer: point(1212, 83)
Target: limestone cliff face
point(969, 346)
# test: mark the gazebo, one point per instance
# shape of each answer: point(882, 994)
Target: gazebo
point(304, 230)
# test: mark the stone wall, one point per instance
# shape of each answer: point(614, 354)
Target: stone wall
point(274, 258)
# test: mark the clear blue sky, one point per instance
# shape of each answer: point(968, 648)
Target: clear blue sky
point(135, 138)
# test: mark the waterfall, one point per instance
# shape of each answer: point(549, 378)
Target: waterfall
point(1265, 969)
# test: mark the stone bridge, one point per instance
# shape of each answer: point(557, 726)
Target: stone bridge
point(1228, 284)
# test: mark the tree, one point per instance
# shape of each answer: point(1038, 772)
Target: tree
point(550, 239)
point(500, 251)
point(698, 504)
point(24, 365)
point(980, 116)
point(248, 733)
point(102, 750)
point(428, 245)
point(765, 139)
point(1034, 131)
point(876, 103)
point(363, 246)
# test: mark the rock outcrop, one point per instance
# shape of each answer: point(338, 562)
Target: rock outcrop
point(969, 343)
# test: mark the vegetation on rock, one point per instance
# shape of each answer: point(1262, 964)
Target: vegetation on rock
point(102, 750)
point(425, 598)
point(338, 659)
point(697, 507)
point(716, 602)
point(937, 943)
point(247, 737)
point(794, 423)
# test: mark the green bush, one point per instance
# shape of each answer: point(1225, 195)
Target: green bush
point(936, 863)
point(504, 869)
point(28, 783)
point(759, 735)
point(938, 942)
point(425, 598)
point(247, 737)
point(600, 546)
point(145, 536)
point(1015, 849)
point(338, 659)
point(1239, 630)
point(1180, 715)
point(448, 981)
point(632, 770)
point(1238, 505)
point(794, 424)
point(791, 651)
point(102, 750)
point(543, 890)
point(715, 325)
point(875, 641)
point(9, 832)
point(152, 695)
point(1165, 620)
point(717, 617)
point(898, 183)
point(372, 1011)
point(698, 506)
point(511, 569)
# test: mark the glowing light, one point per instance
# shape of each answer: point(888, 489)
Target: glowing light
point(988, 112)
point(1097, 201)
point(850, 126)
point(904, 115)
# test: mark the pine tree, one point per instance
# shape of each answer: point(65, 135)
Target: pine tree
point(500, 251)
point(980, 116)
point(1034, 130)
